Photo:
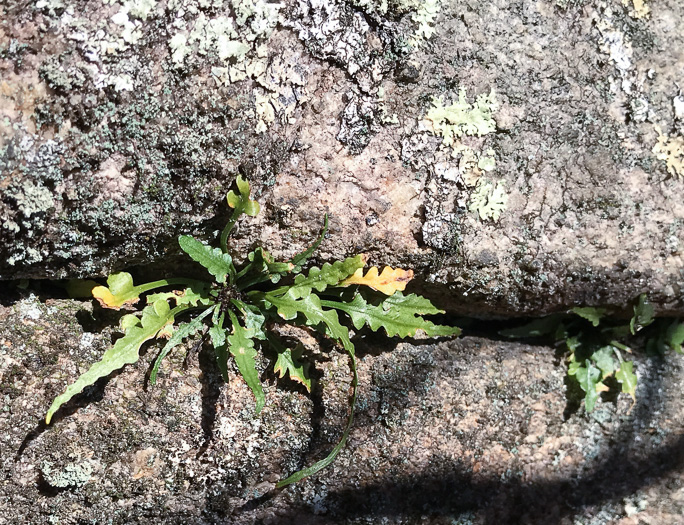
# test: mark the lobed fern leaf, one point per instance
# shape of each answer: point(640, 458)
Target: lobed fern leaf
point(396, 314)
point(125, 350)
point(241, 347)
point(183, 331)
point(216, 262)
point(288, 362)
point(389, 281)
point(321, 278)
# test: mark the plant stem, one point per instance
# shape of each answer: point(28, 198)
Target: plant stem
point(620, 346)
point(305, 473)
point(142, 288)
point(228, 227)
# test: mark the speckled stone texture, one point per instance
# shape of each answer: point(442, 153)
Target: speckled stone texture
point(470, 431)
point(122, 125)
point(557, 182)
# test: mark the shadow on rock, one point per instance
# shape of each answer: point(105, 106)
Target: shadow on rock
point(448, 489)
point(452, 490)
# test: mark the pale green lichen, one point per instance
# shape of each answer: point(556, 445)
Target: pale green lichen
point(179, 47)
point(217, 35)
point(28, 256)
point(102, 40)
point(264, 111)
point(462, 118)
point(130, 29)
point(637, 8)
point(472, 164)
point(33, 199)
point(671, 150)
point(383, 115)
point(224, 36)
point(425, 17)
point(50, 5)
point(282, 85)
point(487, 162)
point(488, 200)
point(468, 159)
point(140, 8)
point(72, 475)
point(454, 121)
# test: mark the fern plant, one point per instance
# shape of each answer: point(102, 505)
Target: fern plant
point(239, 306)
point(595, 344)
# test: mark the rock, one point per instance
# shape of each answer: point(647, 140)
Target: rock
point(470, 430)
point(123, 125)
point(522, 158)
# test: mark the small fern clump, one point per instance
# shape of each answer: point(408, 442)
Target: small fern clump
point(241, 303)
point(595, 344)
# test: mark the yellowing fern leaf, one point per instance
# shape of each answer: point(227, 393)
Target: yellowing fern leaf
point(387, 282)
point(120, 292)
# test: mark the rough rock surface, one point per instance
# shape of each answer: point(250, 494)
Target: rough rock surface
point(123, 123)
point(468, 431)
point(521, 157)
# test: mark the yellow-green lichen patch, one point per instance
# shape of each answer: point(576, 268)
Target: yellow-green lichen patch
point(457, 120)
point(637, 8)
point(463, 126)
point(487, 162)
point(615, 43)
point(488, 200)
point(226, 38)
point(265, 112)
point(425, 16)
point(282, 88)
point(671, 150)
point(103, 40)
point(72, 475)
point(462, 118)
point(472, 163)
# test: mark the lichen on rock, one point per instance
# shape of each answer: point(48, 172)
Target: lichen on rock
point(462, 118)
point(671, 150)
point(74, 474)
